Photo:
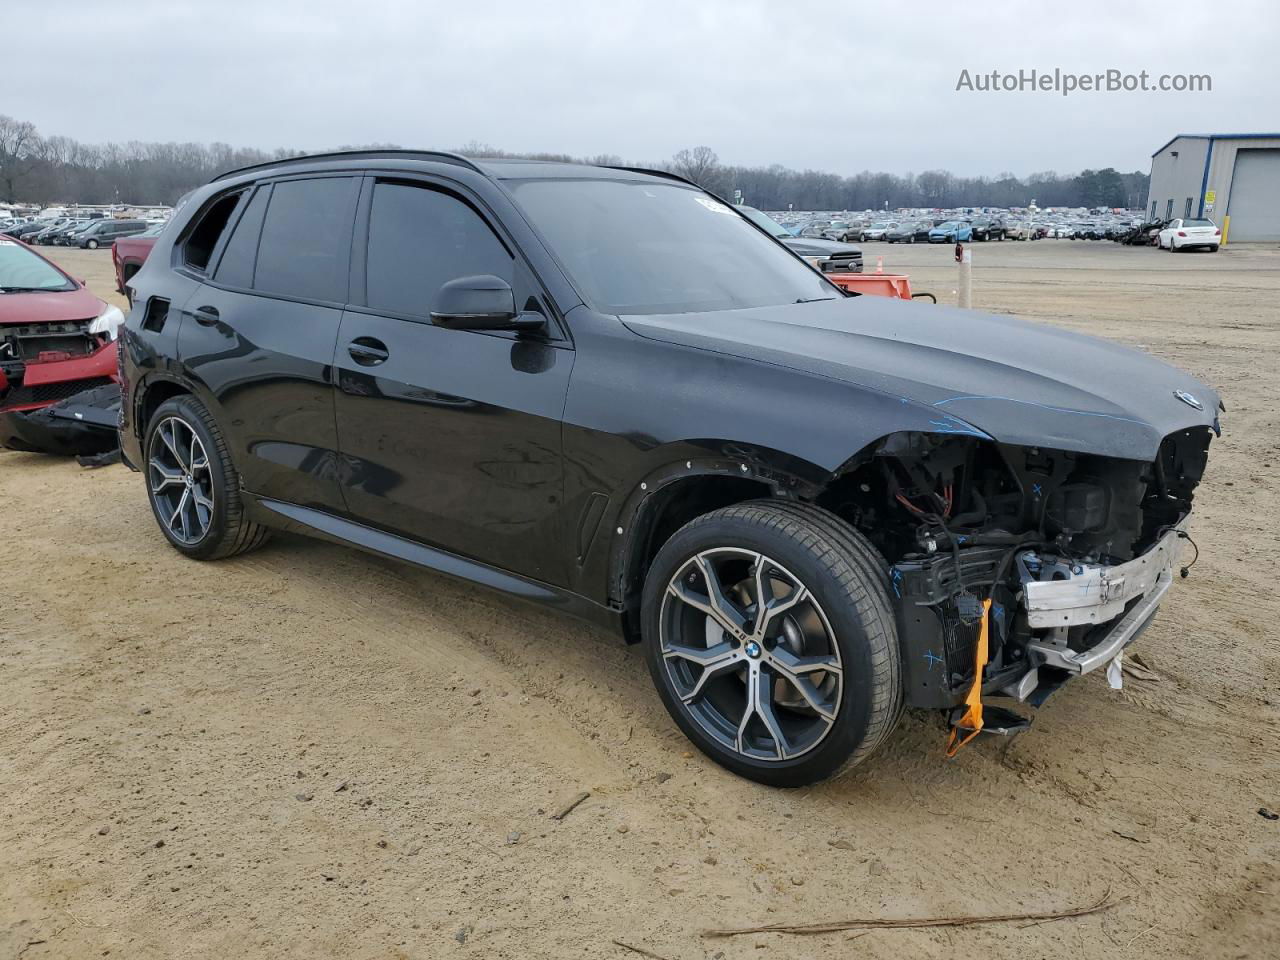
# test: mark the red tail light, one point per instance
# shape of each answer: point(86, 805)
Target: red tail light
point(1216, 232)
point(1181, 233)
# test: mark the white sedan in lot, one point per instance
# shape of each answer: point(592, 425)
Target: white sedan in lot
point(1185, 234)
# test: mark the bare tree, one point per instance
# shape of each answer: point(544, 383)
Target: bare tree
point(19, 147)
point(701, 165)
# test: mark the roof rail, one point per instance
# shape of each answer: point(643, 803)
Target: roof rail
point(653, 173)
point(353, 155)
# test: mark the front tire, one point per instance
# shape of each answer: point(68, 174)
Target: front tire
point(192, 485)
point(92, 244)
point(770, 636)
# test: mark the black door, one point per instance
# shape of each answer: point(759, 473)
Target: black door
point(259, 333)
point(449, 437)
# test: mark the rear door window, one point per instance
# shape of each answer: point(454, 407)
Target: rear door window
point(305, 247)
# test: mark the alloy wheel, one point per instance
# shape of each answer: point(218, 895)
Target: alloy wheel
point(180, 481)
point(750, 654)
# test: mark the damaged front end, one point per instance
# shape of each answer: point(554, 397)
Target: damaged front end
point(57, 383)
point(1016, 568)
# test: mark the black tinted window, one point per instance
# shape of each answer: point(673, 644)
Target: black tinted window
point(306, 239)
point(236, 267)
point(420, 239)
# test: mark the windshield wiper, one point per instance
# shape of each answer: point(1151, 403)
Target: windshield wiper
point(813, 299)
point(28, 289)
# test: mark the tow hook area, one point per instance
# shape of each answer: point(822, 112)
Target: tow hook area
point(973, 716)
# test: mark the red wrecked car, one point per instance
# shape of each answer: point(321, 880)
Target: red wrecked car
point(57, 340)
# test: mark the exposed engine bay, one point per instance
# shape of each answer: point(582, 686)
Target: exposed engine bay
point(1073, 551)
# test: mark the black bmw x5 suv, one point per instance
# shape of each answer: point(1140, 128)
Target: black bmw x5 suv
point(607, 391)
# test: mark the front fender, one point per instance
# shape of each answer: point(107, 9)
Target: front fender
point(641, 411)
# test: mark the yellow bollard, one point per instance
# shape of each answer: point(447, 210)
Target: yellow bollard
point(1226, 225)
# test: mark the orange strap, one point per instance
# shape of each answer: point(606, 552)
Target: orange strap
point(971, 721)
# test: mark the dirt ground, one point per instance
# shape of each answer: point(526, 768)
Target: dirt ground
point(310, 752)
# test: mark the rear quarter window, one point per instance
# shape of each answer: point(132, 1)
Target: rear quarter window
point(203, 238)
point(235, 269)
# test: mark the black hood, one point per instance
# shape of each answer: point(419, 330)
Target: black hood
point(1013, 380)
point(817, 247)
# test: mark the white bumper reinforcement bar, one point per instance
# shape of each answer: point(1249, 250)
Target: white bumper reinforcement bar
point(1097, 594)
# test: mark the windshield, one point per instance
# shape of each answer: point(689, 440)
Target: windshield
point(643, 247)
point(21, 269)
point(764, 221)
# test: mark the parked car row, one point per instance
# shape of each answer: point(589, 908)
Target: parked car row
point(909, 230)
point(907, 225)
point(85, 232)
point(968, 226)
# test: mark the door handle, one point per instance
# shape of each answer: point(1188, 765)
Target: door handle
point(206, 316)
point(367, 351)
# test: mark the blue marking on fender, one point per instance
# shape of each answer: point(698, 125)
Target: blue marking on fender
point(957, 426)
point(1045, 406)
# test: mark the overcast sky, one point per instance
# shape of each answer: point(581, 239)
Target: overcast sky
point(803, 83)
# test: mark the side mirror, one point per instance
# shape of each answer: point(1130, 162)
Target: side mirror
point(483, 302)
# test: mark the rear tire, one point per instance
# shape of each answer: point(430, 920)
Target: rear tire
point(825, 666)
point(193, 486)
